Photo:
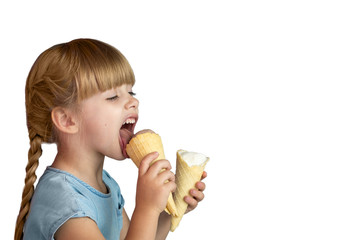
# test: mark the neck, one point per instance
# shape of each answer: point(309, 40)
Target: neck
point(85, 165)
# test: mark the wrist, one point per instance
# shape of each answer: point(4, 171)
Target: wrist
point(147, 211)
point(144, 223)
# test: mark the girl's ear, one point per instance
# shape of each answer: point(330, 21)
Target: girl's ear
point(64, 120)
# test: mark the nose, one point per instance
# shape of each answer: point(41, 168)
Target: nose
point(132, 103)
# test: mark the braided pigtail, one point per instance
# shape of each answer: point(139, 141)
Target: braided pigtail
point(34, 154)
point(39, 100)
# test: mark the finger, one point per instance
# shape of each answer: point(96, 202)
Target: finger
point(145, 163)
point(204, 175)
point(171, 185)
point(200, 186)
point(166, 176)
point(191, 202)
point(156, 167)
point(197, 195)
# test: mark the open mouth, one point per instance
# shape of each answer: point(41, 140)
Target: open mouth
point(126, 133)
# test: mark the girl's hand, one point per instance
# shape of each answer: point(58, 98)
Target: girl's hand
point(196, 195)
point(154, 184)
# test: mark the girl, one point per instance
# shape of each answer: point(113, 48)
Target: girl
point(79, 96)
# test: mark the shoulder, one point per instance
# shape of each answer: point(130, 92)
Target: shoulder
point(61, 189)
point(57, 198)
point(57, 189)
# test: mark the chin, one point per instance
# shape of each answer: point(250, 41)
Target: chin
point(116, 155)
point(118, 158)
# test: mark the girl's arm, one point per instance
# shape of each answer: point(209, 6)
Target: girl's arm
point(126, 224)
point(153, 189)
point(163, 226)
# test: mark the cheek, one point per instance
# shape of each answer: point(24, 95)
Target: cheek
point(102, 124)
point(95, 127)
point(106, 128)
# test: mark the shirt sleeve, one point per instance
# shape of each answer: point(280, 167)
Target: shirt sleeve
point(52, 205)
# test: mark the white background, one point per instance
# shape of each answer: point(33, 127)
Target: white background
point(269, 90)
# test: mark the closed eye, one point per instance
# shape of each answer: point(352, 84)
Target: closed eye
point(132, 93)
point(112, 98)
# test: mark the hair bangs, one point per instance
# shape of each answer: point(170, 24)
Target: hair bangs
point(100, 67)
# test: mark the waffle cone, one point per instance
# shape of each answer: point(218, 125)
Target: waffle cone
point(186, 178)
point(141, 145)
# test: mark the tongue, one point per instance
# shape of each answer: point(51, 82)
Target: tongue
point(125, 136)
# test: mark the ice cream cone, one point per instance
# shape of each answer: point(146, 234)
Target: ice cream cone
point(189, 169)
point(140, 145)
point(144, 143)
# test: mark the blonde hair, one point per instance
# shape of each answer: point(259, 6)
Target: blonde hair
point(63, 75)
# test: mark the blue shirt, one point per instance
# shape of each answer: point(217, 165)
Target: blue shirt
point(60, 196)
